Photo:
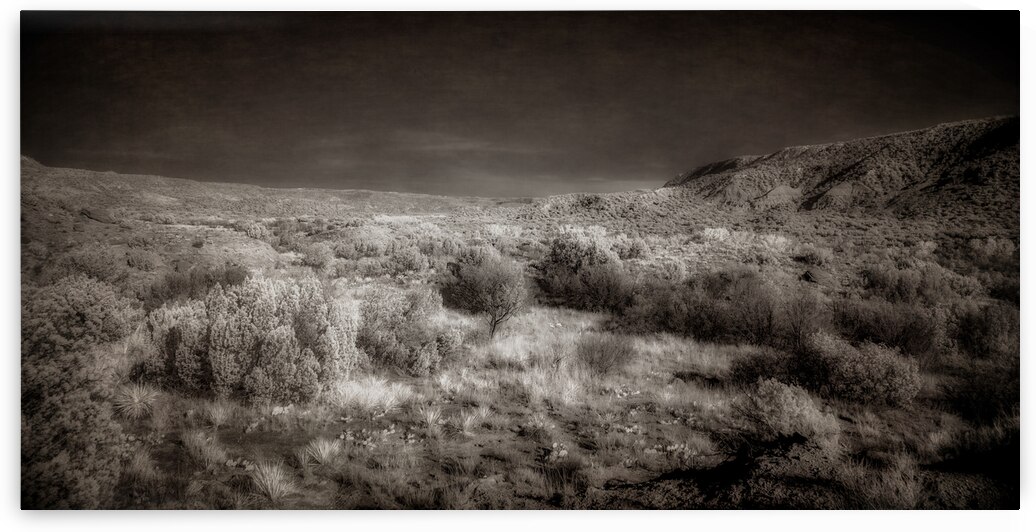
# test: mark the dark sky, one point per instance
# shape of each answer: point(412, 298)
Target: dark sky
point(492, 104)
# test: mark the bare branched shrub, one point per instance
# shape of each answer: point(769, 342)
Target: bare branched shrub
point(487, 284)
point(603, 353)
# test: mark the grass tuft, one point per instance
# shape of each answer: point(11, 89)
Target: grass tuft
point(272, 481)
point(324, 450)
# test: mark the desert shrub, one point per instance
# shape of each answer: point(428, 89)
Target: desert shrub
point(802, 314)
point(993, 253)
point(256, 230)
point(917, 331)
point(278, 340)
point(990, 330)
point(407, 260)
point(263, 340)
point(317, 255)
point(869, 373)
point(283, 372)
point(363, 242)
point(814, 255)
point(672, 271)
point(485, 283)
point(73, 314)
point(774, 411)
point(734, 305)
point(580, 271)
point(986, 390)
point(441, 247)
point(104, 263)
point(631, 248)
point(603, 353)
point(180, 335)
point(401, 329)
point(195, 283)
point(70, 444)
point(762, 364)
point(143, 259)
point(289, 240)
point(198, 242)
point(917, 282)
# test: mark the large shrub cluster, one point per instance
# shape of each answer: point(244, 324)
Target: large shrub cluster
point(734, 305)
point(70, 443)
point(264, 340)
point(827, 364)
point(870, 373)
point(581, 271)
point(917, 281)
point(773, 412)
point(917, 331)
point(104, 263)
point(192, 283)
point(404, 330)
point(987, 331)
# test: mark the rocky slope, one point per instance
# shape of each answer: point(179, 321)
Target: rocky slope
point(971, 165)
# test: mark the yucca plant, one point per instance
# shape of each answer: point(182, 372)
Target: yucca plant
point(134, 401)
point(432, 415)
point(271, 480)
point(468, 422)
point(324, 450)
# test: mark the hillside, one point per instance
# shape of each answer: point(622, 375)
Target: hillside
point(961, 166)
point(134, 195)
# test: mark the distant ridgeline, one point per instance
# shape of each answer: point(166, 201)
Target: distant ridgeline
point(969, 166)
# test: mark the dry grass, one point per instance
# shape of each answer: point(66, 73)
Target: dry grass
point(203, 448)
point(141, 468)
point(371, 395)
point(218, 412)
point(896, 487)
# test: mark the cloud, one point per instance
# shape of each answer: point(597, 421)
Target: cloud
point(440, 142)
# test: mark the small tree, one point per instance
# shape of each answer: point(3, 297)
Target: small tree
point(487, 284)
